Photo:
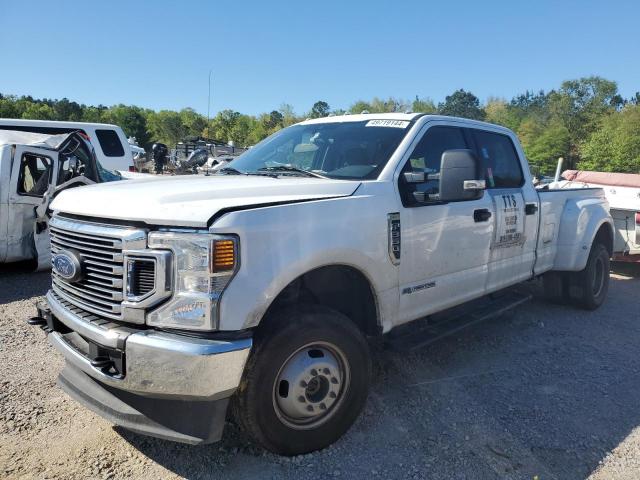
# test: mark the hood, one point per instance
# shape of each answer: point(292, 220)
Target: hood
point(190, 201)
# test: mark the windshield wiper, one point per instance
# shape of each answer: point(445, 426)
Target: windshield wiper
point(291, 169)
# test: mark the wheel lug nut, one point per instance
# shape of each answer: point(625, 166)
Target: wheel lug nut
point(303, 384)
point(314, 372)
point(310, 408)
point(332, 394)
point(326, 371)
point(302, 399)
point(323, 406)
point(334, 380)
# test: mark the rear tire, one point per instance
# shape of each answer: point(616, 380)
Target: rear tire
point(306, 381)
point(589, 287)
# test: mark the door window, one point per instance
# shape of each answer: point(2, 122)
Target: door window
point(426, 157)
point(35, 175)
point(500, 162)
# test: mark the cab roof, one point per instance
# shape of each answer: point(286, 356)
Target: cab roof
point(399, 116)
point(363, 117)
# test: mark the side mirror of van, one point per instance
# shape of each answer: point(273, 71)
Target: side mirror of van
point(459, 176)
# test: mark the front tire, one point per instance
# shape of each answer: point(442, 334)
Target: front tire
point(306, 380)
point(589, 287)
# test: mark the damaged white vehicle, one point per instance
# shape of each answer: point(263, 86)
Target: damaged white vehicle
point(34, 168)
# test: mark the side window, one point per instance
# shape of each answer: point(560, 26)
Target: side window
point(110, 143)
point(35, 175)
point(426, 158)
point(500, 162)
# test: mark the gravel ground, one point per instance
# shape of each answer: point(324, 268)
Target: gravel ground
point(546, 391)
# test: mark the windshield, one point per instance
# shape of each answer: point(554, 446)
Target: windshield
point(107, 175)
point(343, 150)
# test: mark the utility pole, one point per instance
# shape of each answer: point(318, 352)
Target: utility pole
point(209, 105)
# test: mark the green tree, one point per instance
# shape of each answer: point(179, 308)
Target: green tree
point(274, 120)
point(360, 106)
point(132, 120)
point(241, 130)
point(499, 111)
point(223, 125)
point(462, 104)
point(289, 116)
point(39, 111)
point(166, 126)
point(66, 110)
point(615, 146)
point(193, 122)
point(93, 114)
point(423, 105)
point(389, 105)
point(8, 107)
point(580, 105)
point(552, 142)
point(320, 109)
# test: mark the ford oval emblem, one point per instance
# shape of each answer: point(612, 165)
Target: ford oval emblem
point(67, 264)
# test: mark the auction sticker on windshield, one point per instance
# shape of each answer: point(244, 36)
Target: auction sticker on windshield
point(388, 123)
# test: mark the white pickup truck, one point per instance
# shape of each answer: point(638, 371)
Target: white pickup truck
point(260, 285)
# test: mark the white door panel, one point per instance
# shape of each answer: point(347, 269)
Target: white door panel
point(445, 258)
point(513, 245)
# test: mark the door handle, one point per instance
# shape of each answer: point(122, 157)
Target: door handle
point(530, 209)
point(481, 215)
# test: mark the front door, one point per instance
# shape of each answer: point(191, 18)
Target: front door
point(444, 246)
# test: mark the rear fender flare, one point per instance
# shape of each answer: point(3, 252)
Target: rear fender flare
point(580, 223)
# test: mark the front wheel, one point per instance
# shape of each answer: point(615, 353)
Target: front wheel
point(306, 381)
point(589, 287)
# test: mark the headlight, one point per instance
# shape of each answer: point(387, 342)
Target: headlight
point(203, 265)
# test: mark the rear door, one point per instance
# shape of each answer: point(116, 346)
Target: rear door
point(444, 245)
point(112, 148)
point(515, 203)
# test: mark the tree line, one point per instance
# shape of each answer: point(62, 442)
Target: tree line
point(586, 121)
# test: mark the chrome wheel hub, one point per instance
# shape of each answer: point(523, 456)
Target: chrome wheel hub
point(309, 385)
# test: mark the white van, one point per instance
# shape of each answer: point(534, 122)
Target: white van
point(34, 168)
point(109, 141)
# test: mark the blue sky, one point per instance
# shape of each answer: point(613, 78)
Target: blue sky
point(158, 54)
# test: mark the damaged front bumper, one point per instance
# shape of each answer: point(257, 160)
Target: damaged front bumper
point(166, 385)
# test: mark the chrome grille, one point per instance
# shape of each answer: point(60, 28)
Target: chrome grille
point(101, 248)
point(95, 320)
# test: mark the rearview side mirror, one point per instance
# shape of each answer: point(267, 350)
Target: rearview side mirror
point(459, 176)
